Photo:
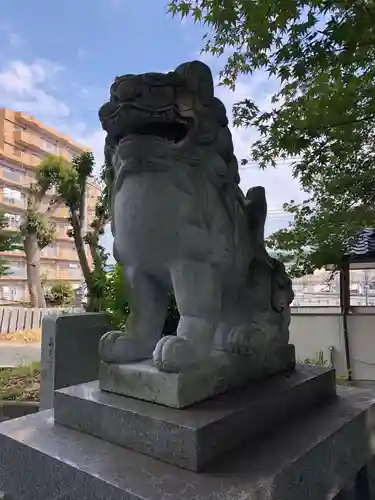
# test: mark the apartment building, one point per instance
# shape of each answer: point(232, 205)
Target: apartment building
point(24, 143)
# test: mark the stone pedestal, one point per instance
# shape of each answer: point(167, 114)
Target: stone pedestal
point(221, 372)
point(195, 436)
point(313, 457)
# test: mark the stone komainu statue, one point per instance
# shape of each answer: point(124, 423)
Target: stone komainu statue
point(181, 223)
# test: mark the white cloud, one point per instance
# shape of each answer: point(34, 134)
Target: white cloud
point(22, 87)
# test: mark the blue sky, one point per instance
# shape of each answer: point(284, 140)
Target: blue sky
point(58, 59)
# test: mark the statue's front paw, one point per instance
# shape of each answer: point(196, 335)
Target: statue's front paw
point(118, 347)
point(174, 354)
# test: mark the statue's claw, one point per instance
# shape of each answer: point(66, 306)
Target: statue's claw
point(118, 347)
point(174, 354)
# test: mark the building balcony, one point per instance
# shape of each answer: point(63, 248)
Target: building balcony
point(36, 143)
point(12, 204)
point(68, 142)
point(23, 182)
point(19, 157)
point(27, 140)
point(70, 274)
point(14, 277)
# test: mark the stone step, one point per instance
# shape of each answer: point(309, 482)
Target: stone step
point(195, 436)
point(311, 458)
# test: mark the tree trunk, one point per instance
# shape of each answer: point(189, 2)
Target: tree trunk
point(32, 252)
point(82, 257)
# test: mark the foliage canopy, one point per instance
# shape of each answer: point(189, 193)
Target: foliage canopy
point(322, 53)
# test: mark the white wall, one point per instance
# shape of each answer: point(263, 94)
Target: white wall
point(313, 329)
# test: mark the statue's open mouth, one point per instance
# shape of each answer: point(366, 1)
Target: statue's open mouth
point(173, 132)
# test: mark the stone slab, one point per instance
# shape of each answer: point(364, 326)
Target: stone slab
point(65, 338)
point(195, 436)
point(312, 458)
point(220, 373)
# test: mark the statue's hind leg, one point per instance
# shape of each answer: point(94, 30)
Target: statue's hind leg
point(148, 303)
point(198, 296)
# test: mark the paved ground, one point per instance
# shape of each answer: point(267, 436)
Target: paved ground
point(12, 354)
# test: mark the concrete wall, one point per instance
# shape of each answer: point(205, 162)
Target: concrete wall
point(315, 328)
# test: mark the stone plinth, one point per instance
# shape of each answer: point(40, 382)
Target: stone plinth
point(220, 373)
point(194, 436)
point(312, 458)
point(64, 339)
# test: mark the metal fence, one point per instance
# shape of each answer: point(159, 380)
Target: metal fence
point(13, 319)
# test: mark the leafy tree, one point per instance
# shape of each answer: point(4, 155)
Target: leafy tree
point(322, 52)
point(36, 229)
point(71, 185)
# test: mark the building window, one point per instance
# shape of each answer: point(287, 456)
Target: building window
point(16, 269)
point(68, 265)
point(12, 174)
point(12, 196)
point(13, 220)
point(49, 146)
point(72, 269)
point(50, 250)
point(12, 293)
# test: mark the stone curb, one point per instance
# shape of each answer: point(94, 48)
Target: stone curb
point(16, 409)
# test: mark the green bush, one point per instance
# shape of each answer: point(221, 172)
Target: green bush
point(117, 306)
point(115, 301)
point(59, 294)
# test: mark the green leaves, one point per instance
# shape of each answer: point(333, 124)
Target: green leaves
point(59, 294)
point(9, 240)
point(323, 55)
point(35, 222)
point(115, 302)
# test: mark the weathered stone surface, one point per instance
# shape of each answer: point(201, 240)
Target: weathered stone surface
point(220, 372)
point(195, 436)
point(312, 459)
point(182, 224)
point(65, 339)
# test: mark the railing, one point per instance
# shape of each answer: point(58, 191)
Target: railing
point(13, 319)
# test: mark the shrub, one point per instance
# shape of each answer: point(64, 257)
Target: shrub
point(115, 301)
point(59, 294)
point(117, 306)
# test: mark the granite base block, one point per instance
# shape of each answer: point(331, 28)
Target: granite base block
point(64, 339)
point(195, 436)
point(312, 458)
point(221, 372)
